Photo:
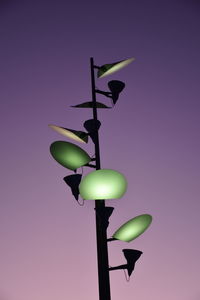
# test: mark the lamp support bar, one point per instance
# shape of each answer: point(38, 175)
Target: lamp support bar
point(107, 94)
point(121, 267)
point(111, 239)
point(101, 233)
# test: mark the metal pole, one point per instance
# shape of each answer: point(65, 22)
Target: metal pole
point(101, 234)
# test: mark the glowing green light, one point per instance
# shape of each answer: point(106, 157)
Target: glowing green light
point(69, 155)
point(133, 228)
point(103, 184)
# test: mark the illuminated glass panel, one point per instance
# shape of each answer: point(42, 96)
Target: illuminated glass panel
point(69, 155)
point(133, 228)
point(103, 184)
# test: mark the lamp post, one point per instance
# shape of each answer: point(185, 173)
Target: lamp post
point(100, 184)
point(101, 231)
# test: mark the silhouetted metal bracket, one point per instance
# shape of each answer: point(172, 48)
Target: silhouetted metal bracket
point(112, 239)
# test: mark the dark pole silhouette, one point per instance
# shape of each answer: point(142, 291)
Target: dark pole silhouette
point(101, 228)
point(73, 157)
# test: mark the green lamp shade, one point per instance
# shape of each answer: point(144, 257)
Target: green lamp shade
point(78, 136)
point(103, 184)
point(69, 155)
point(108, 69)
point(133, 228)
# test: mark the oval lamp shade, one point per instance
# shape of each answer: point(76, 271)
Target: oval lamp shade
point(69, 155)
point(133, 228)
point(103, 184)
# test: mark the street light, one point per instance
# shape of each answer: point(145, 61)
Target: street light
point(101, 184)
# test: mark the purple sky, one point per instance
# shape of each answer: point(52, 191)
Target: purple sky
point(48, 242)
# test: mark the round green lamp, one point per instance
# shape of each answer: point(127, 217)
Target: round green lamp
point(69, 155)
point(133, 228)
point(103, 184)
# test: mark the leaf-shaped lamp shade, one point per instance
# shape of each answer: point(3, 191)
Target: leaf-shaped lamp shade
point(103, 184)
point(133, 228)
point(69, 155)
point(90, 104)
point(108, 69)
point(78, 136)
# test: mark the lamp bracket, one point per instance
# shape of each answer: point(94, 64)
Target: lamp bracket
point(121, 267)
point(111, 239)
point(107, 94)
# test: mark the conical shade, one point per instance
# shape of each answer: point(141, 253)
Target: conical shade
point(75, 135)
point(108, 69)
point(73, 182)
point(133, 228)
point(104, 214)
point(103, 184)
point(116, 88)
point(92, 125)
point(131, 256)
point(69, 155)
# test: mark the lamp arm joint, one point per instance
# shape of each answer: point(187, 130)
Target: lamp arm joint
point(107, 94)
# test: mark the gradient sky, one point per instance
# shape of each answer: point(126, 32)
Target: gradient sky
point(48, 242)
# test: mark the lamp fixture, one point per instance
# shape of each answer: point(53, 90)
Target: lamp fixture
point(131, 256)
point(90, 104)
point(108, 69)
point(116, 87)
point(75, 135)
point(92, 126)
point(69, 155)
point(73, 182)
point(103, 184)
point(133, 228)
point(104, 213)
